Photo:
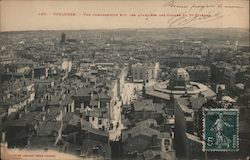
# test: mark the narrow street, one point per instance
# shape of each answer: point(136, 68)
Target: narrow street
point(115, 133)
point(129, 90)
point(128, 94)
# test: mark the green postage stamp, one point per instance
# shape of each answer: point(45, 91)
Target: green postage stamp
point(220, 130)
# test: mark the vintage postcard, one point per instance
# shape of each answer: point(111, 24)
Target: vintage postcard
point(123, 79)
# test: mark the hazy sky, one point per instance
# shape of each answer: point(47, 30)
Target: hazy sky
point(24, 14)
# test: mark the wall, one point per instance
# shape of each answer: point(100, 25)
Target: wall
point(139, 143)
point(180, 132)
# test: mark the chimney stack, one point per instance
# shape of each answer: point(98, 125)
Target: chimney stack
point(43, 109)
point(3, 137)
point(20, 115)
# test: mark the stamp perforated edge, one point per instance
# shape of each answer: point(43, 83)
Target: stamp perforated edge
point(203, 129)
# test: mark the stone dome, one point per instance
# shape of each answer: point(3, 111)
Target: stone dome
point(179, 78)
point(180, 74)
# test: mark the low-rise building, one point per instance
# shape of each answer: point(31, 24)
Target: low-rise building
point(144, 72)
point(98, 118)
point(41, 85)
point(145, 138)
point(82, 97)
point(87, 140)
point(184, 60)
point(145, 109)
point(199, 73)
point(18, 95)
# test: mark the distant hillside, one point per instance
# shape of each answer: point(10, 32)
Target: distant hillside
point(220, 34)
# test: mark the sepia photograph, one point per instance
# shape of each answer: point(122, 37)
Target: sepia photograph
point(124, 80)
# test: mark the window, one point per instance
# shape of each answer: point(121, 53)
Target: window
point(93, 118)
point(99, 121)
point(166, 142)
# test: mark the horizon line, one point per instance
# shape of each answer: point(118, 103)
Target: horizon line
point(89, 29)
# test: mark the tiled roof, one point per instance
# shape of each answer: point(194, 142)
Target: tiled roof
point(196, 103)
point(83, 92)
point(28, 118)
point(67, 100)
point(144, 105)
point(48, 127)
point(143, 128)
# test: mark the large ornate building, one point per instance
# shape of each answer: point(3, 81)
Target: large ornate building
point(177, 86)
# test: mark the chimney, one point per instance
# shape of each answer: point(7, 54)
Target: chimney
point(65, 110)
point(3, 137)
point(82, 106)
point(43, 118)
point(92, 94)
point(43, 109)
point(81, 121)
point(25, 110)
point(20, 115)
